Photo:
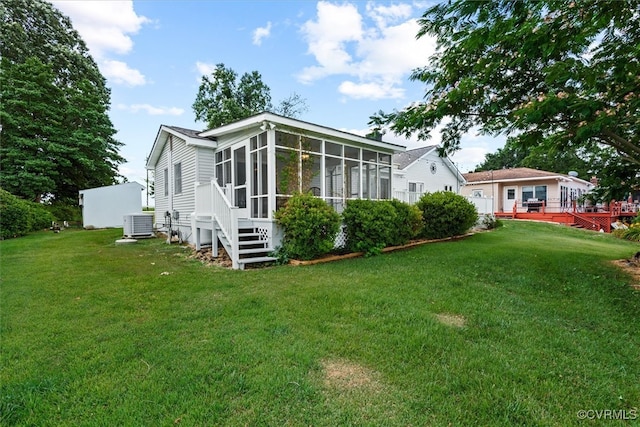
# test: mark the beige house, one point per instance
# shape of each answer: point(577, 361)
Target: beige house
point(526, 189)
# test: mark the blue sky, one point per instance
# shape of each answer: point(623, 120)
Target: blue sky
point(348, 59)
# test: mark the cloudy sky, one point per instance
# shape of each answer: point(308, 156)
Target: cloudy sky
point(347, 59)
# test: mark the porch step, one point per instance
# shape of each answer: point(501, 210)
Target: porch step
point(244, 261)
point(254, 251)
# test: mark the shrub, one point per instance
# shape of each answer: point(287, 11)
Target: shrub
point(370, 225)
point(310, 226)
point(446, 214)
point(408, 223)
point(65, 211)
point(19, 217)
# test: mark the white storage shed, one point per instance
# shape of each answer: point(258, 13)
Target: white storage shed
point(105, 207)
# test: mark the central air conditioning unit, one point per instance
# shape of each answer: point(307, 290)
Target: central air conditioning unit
point(138, 225)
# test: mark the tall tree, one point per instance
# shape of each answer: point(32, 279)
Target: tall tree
point(57, 137)
point(555, 72)
point(223, 99)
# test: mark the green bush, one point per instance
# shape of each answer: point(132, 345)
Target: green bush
point(446, 214)
point(370, 225)
point(310, 226)
point(19, 217)
point(408, 223)
point(65, 212)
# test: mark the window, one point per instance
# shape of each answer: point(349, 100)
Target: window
point(416, 187)
point(223, 167)
point(511, 193)
point(166, 181)
point(177, 178)
point(538, 192)
point(478, 193)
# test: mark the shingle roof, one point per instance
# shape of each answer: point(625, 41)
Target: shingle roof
point(188, 132)
point(509, 174)
point(406, 158)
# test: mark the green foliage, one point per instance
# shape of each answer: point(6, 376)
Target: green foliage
point(631, 233)
point(408, 222)
point(19, 217)
point(65, 211)
point(489, 222)
point(370, 225)
point(446, 214)
point(310, 226)
point(57, 137)
point(223, 99)
point(558, 73)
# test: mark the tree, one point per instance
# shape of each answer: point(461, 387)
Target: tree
point(223, 99)
point(57, 137)
point(555, 73)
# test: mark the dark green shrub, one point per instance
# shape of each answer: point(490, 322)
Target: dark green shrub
point(65, 212)
point(310, 226)
point(446, 214)
point(19, 217)
point(370, 225)
point(408, 223)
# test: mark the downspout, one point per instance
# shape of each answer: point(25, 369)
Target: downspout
point(170, 186)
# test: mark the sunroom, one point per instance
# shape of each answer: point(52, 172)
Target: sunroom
point(262, 161)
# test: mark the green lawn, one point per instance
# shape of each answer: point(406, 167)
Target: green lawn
point(526, 325)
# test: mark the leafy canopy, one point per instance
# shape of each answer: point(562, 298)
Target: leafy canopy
point(560, 73)
point(223, 98)
point(57, 137)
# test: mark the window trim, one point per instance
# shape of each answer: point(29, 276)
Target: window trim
point(177, 178)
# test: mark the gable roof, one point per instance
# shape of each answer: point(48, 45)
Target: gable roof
point(275, 120)
point(190, 136)
point(410, 156)
point(208, 138)
point(517, 174)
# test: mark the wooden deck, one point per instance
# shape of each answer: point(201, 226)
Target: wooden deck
point(596, 220)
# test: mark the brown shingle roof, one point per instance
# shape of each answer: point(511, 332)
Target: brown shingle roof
point(509, 174)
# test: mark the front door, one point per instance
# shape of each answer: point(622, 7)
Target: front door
point(509, 199)
point(240, 179)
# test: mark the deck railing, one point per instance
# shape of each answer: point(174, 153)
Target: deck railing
point(212, 202)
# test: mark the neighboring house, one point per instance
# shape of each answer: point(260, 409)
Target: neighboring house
point(105, 207)
point(224, 184)
point(422, 170)
point(528, 190)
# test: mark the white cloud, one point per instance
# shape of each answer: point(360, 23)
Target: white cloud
point(370, 90)
point(261, 33)
point(120, 73)
point(380, 52)
point(151, 110)
point(204, 69)
point(106, 26)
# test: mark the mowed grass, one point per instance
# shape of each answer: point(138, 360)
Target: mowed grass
point(526, 325)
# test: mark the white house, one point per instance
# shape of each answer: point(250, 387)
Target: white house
point(422, 170)
point(105, 207)
point(224, 184)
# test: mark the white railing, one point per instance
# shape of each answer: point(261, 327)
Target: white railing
point(212, 202)
point(204, 203)
point(410, 197)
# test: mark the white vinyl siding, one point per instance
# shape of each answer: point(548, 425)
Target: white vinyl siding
point(205, 164)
